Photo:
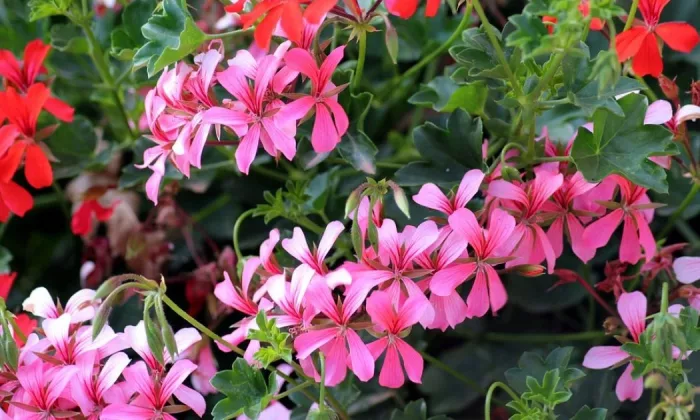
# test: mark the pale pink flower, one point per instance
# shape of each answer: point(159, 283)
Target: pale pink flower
point(327, 130)
point(432, 197)
point(153, 394)
point(42, 387)
point(80, 307)
point(531, 244)
point(94, 388)
point(637, 211)
point(633, 309)
point(488, 290)
point(341, 345)
point(289, 297)
point(687, 269)
point(138, 341)
point(392, 321)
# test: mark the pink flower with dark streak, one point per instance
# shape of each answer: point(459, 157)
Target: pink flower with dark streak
point(490, 247)
point(331, 120)
point(392, 321)
point(432, 197)
point(338, 341)
point(633, 309)
point(532, 246)
point(636, 211)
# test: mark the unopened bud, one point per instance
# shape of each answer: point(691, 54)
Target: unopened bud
point(695, 92)
point(669, 88)
point(654, 381)
point(529, 270)
point(510, 174)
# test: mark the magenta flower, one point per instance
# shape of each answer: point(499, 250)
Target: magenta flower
point(327, 130)
point(338, 341)
point(633, 309)
point(488, 290)
point(432, 197)
point(531, 244)
point(289, 297)
point(637, 211)
point(93, 388)
point(154, 393)
point(42, 387)
point(392, 321)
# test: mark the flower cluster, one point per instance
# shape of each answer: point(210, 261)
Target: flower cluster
point(62, 371)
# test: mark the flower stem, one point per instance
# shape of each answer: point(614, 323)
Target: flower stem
point(489, 397)
point(357, 79)
point(680, 210)
point(236, 228)
point(631, 15)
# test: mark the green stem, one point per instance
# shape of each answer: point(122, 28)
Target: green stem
point(292, 390)
point(235, 33)
point(489, 397)
point(357, 79)
point(680, 210)
point(463, 24)
point(447, 369)
point(497, 46)
point(236, 229)
point(632, 14)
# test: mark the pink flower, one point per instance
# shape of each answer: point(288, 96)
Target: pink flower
point(637, 211)
point(289, 297)
point(253, 117)
point(567, 221)
point(154, 393)
point(80, 307)
point(527, 201)
point(632, 308)
point(240, 300)
point(488, 290)
point(94, 388)
point(432, 197)
point(327, 131)
point(392, 320)
point(687, 269)
point(42, 387)
point(338, 341)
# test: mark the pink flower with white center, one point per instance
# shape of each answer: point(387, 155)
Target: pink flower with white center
point(527, 202)
point(327, 130)
point(136, 338)
point(687, 269)
point(489, 249)
point(393, 320)
point(562, 206)
point(154, 391)
point(42, 387)
point(298, 248)
point(633, 309)
point(80, 307)
point(341, 345)
point(253, 117)
point(637, 211)
point(240, 300)
point(289, 297)
point(451, 310)
point(432, 197)
point(69, 346)
point(94, 388)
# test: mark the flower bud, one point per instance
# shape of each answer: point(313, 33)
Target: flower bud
point(669, 88)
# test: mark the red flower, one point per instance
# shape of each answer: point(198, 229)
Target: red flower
point(21, 77)
point(285, 12)
point(641, 43)
point(81, 223)
point(23, 112)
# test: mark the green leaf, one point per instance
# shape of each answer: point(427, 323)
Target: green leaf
point(126, 39)
point(622, 145)
point(39, 9)
point(67, 37)
point(415, 410)
point(533, 365)
point(359, 151)
point(587, 413)
point(171, 35)
point(245, 388)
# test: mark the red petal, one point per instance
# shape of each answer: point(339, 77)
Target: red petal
point(648, 61)
point(10, 162)
point(16, 198)
point(318, 9)
point(679, 36)
point(293, 22)
point(629, 42)
point(37, 168)
point(263, 32)
point(59, 109)
point(34, 54)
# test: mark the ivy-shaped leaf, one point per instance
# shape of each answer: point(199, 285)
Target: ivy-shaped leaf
point(171, 35)
point(246, 391)
point(622, 145)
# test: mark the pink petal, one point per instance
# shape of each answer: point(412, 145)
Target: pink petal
point(687, 269)
point(432, 197)
point(412, 361)
point(628, 388)
point(633, 310)
point(603, 357)
point(391, 375)
point(445, 281)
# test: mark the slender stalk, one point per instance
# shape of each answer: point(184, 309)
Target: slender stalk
point(489, 397)
point(447, 369)
point(357, 79)
point(238, 32)
point(632, 14)
point(497, 47)
point(680, 210)
point(236, 229)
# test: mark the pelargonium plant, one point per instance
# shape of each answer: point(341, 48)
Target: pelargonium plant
point(469, 209)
